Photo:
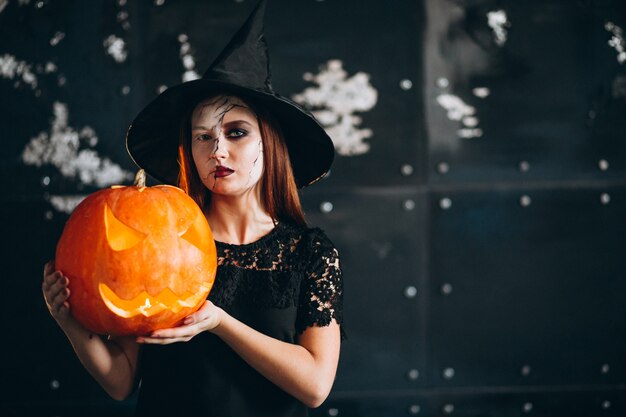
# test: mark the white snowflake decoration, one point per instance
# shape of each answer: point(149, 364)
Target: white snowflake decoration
point(458, 110)
point(498, 22)
point(11, 68)
point(66, 203)
point(617, 41)
point(334, 102)
point(188, 60)
point(115, 47)
point(60, 147)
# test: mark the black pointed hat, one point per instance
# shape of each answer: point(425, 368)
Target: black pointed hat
point(241, 69)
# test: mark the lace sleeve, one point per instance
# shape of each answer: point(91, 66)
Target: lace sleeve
point(321, 290)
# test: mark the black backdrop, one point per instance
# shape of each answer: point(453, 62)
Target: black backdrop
point(481, 227)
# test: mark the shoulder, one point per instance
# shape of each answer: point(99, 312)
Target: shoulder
point(311, 239)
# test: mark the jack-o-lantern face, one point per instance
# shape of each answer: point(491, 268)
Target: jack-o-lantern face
point(138, 259)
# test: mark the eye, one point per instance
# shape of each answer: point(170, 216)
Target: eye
point(119, 235)
point(236, 133)
point(203, 137)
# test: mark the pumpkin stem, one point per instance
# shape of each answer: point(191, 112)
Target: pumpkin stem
point(140, 178)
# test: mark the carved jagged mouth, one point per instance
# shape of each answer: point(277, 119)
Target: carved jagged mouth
point(147, 305)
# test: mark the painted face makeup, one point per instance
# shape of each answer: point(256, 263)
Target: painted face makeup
point(226, 145)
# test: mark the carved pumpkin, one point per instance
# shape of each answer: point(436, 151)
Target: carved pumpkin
point(138, 258)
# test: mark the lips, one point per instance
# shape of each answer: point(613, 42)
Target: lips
point(221, 172)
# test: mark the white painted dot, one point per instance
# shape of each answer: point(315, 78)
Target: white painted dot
point(410, 292)
point(159, 2)
point(448, 373)
point(603, 164)
point(445, 203)
point(481, 92)
point(161, 88)
point(525, 201)
point(605, 369)
point(125, 90)
point(55, 385)
point(413, 374)
point(182, 38)
point(443, 167)
point(446, 289)
point(406, 84)
point(406, 170)
point(605, 198)
point(49, 215)
point(45, 181)
point(414, 409)
point(408, 205)
point(333, 412)
point(448, 409)
point(527, 407)
point(524, 166)
point(326, 207)
point(606, 404)
point(442, 82)
point(525, 370)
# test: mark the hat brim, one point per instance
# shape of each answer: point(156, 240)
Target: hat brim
point(153, 137)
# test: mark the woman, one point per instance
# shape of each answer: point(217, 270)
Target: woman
point(266, 342)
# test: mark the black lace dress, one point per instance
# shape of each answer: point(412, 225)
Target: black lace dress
point(279, 285)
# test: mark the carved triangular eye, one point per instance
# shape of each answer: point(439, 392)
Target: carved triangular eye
point(119, 235)
point(194, 234)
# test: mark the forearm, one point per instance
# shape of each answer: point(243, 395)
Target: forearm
point(106, 360)
point(292, 367)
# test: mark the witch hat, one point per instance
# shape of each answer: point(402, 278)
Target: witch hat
point(241, 69)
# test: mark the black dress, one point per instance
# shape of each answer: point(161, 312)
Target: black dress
point(279, 285)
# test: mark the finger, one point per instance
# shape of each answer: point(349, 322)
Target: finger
point(196, 319)
point(60, 298)
point(50, 290)
point(160, 341)
point(183, 332)
point(48, 268)
point(59, 285)
point(64, 309)
point(59, 309)
point(49, 273)
point(167, 333)
point(204, 313)
point(50, 279)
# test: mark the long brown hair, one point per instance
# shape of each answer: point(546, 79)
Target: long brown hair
point(278, 190)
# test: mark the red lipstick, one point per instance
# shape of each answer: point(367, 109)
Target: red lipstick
point(221, 172)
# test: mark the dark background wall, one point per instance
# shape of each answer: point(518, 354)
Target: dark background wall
point(478, 198)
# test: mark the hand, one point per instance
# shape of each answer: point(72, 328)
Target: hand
point(56, 293)
point(207, 318)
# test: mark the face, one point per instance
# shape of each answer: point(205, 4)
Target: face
point(226, 145)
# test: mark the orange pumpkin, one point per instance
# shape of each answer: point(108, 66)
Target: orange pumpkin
point(138, 258)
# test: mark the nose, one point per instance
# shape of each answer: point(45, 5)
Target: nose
point(220, 150)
